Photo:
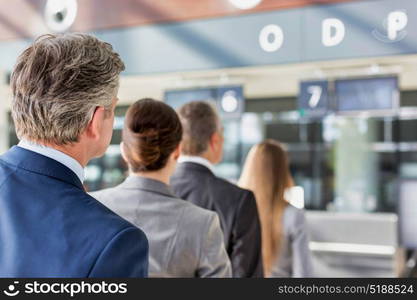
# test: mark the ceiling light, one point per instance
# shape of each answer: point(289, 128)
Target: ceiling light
point(245, 4)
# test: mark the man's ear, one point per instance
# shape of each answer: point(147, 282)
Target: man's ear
point(95, 126)
point(122, 151)
point(215, 141)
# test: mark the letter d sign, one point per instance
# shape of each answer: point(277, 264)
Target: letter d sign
point(333, 32)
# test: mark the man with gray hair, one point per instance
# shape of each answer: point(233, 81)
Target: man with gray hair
point(64, 95)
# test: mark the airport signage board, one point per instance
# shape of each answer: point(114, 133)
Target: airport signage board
point(228, 100)
point(322, 32)
point(313, 98)
point(377, 94)
point(366, 94)
point(318, 32)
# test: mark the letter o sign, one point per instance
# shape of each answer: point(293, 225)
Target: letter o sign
point(271, 38)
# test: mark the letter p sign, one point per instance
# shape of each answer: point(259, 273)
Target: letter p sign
point(397, 20)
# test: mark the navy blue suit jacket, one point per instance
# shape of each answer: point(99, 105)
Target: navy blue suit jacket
point(50, 227)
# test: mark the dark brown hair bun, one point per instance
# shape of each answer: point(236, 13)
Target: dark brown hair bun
point(152, 131)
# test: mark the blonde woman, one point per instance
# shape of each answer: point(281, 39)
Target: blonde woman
point(284, 234)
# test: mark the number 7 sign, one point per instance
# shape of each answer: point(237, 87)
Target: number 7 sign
point(313, 98)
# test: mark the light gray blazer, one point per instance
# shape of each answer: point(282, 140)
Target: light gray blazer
point(184, 240)
point(295, 256)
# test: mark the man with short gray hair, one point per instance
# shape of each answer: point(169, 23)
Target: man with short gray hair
point(64, 95)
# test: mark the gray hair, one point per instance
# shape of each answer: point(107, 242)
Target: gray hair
point(200, 121)
point(57, 84)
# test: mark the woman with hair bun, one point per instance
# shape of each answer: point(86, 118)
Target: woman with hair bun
point(184, 240)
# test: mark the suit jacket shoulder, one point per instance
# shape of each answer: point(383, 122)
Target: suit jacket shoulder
point(294, 220)
point(239, 193)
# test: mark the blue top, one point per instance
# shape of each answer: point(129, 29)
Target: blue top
point(50, 227)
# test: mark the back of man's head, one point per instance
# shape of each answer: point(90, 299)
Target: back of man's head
point(200, 121)
point(57, 84)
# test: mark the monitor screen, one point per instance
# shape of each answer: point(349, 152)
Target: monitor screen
point(367, 94)
point(284, 132)
point(229, 100)
point(177, 98)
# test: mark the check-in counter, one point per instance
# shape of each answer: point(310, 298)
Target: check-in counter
point(354, 245)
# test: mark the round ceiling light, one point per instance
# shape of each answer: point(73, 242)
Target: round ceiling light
point(60, 14)
point(245, 4)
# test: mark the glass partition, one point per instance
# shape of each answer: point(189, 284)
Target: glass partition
point(348, 163)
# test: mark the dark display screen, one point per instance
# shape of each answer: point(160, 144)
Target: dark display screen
point(228, 99)
point(177, 98)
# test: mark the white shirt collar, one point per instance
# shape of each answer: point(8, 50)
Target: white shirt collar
point(198, 160)
point(54, 154)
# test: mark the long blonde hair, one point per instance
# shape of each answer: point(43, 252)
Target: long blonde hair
point(266, 173)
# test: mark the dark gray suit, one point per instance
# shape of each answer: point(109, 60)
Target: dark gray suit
point(236, 208)
point(184, 240)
